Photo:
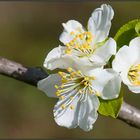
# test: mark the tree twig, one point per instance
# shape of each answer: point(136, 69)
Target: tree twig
point(19, 72)
point(128, 113)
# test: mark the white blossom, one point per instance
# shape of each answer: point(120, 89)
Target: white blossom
point(78, 95)
point(91, 48)
point(83, 79)
point(127, 63)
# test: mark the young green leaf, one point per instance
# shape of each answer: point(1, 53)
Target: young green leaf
point(137, 28)
point(111, 107)
point(127, 32)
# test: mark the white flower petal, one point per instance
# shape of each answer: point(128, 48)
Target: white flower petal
point(67, 117)
point(124, 77)
point(103, 53)
point(58, 59)
point(47, 85)
point(100, 22)
point(70, 26)
point(88, 112)
point(134, 45)
point(133, 88)
point(123, 59)
point(83, 114)
point(127, 57)
point(65, 37)
point(84, 64)
point(107, 82)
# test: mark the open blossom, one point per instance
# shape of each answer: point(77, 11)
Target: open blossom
point(78, 93)
point(127, 63)
point(91, 47)
point(83, 79)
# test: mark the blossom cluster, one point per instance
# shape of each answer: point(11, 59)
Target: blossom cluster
point(83, 77)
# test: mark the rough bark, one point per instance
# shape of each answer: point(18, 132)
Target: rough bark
point(19, 72)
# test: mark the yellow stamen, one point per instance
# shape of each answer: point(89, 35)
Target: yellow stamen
point(63, 106)
point(68, 44)
point(64, 80)
point(98, 94)
point(62, 86)
point(71, 97)
point(70, 78)
point(64, 76)
point(86, 78)
point(81, 36)
point(56, 86)
point(68, 51)
point(79, 72)
point(86, 83)
point(62, 97)
point(73, 80)
point(69, 69)
point(60, 73)
point(76, 46)
point(72, 33)
point(92, 78)
point(58, 94)
point(81, 42)
point(90, 91)
point(73, 74)
point(80, 91)
point(72, 107)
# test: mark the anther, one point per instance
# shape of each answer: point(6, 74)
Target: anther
point(62, 86)
point(62, 97)
point(98, 94)
point(67, 44)
point(56, 86)
point(86, 83)
point(72, 107)
point(60, 73)
point(72, 33)
point(90, 91)
point(57, 94)
point(79, 72)
point(71, 97)
point(69, 69)
point(68, 51)
point(63, 106)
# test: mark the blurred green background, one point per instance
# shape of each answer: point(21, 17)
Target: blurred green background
point(28, 31)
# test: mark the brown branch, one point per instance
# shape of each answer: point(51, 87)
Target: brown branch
point(128, 113)
point(19, 72)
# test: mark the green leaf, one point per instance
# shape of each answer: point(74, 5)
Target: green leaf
point(126, 33)
point(99, 44)
point(137, 28)
point(111, 107)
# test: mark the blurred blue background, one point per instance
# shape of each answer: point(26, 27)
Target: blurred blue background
point(28, 31)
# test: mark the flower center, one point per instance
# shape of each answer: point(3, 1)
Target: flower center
point(74, 80)
point(134, 74)
point(80, 44)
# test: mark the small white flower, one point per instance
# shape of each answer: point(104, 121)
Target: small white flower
point(84, 48)
point(127, 63)
point(78, 93)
